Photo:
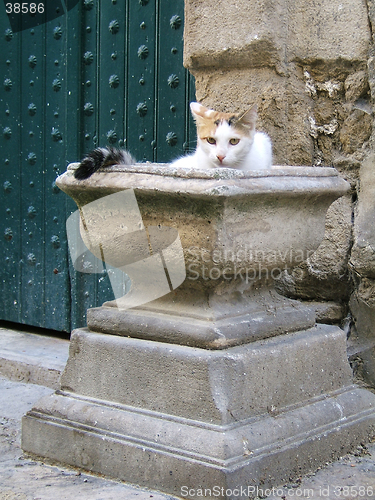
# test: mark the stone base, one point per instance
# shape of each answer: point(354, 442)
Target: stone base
point(207, 319)
point(178, 418)
point(174, 456)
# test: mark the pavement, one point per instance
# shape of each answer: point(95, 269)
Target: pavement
point(30, 366)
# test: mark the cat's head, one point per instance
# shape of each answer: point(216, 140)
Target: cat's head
point(224, 138)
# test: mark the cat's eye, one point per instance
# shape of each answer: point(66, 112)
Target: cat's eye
point(211, 140)
point(234, 141)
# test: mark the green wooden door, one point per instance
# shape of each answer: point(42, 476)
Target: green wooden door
point(107, 72)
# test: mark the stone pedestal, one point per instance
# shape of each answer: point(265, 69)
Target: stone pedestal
point(218, 383)
point(179, 418)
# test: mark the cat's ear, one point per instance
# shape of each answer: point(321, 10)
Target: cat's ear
point(249, 118)
point(198, 111)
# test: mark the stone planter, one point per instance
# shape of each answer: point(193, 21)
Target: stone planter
point(220, 382)
point(238, 231)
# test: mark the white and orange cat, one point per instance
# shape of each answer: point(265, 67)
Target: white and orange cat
point(227, 140)
point(224, 140)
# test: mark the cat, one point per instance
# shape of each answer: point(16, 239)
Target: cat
point(227, 140)
point(223, 140)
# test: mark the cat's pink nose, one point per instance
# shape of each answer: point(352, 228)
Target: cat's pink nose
point(220, 158)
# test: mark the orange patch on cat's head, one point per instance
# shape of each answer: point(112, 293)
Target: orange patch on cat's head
point(207, 120)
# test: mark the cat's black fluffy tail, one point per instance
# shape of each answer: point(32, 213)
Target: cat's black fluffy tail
point(101, 158)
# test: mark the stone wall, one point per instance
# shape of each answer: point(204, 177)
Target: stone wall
point(310, 67)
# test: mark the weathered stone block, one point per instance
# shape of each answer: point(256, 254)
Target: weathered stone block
point(362, 302)
point(326, 30)
point(355, 131)
point(356, 85)
point(362, 305)
point(240, 43)
point(362, 339)
point(257, 34)
point(363, 252)
point(216, 386)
